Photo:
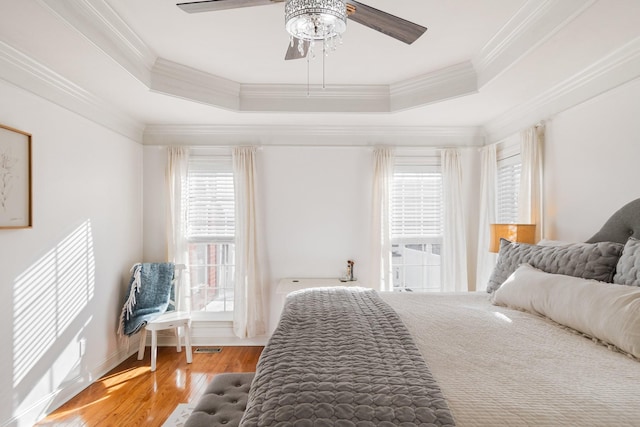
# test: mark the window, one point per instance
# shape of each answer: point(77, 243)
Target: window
point(416, 227)
point(508, 185)
point(210, 230)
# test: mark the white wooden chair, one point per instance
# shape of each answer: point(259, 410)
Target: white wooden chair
point(176, 320)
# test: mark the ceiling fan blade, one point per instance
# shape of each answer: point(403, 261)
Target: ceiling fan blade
point(386, 23)
point(294, 53)
point(213, 5)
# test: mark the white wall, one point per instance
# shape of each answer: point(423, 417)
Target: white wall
point(591, 163)
point(155, 204)
point(62, 282)
point(317, 210)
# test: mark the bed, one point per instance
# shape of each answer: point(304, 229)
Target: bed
point(556, 343)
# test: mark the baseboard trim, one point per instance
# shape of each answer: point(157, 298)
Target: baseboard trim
point(210, 333)
point(218, 334)
point(216, 342)
point(52, 401)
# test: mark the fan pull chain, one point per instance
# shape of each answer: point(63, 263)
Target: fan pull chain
point(324, 54)
point(308, 73)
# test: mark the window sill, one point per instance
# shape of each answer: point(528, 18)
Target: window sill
point(203, 316)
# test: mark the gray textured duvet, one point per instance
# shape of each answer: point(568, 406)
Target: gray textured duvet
point(342, 357)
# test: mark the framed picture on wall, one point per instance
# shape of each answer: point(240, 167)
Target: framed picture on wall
point(15, 178)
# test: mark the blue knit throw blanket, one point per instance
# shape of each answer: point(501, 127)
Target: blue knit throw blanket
point(150, 291)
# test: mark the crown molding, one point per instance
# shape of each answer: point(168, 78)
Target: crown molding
point(312, 135)
point(617, 68)
point(171, 78)
point(290, 91)
point(314, 98)
point(451, 82)
point(532, 25)
point(101, 25)
point(177, 80)
point(22, 71)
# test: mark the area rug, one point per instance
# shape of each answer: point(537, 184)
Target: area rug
point(179, 415)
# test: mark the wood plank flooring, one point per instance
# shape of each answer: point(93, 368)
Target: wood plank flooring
point(131, 395)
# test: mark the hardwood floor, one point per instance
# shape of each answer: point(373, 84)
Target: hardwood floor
point(131, 395)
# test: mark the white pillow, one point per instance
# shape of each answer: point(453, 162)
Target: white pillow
point(606, 311)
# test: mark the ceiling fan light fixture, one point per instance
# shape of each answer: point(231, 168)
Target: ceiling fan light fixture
point(311, 20)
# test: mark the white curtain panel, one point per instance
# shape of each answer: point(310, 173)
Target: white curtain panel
point(381, 221)
point(249, 308)
point(530, 196)
point(454, 246)
point(487, 214)
point(175, 176)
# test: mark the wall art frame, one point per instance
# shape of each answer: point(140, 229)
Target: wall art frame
point(15, 179)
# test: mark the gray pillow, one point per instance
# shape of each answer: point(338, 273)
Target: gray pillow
point(595, 261)
point(628, 268)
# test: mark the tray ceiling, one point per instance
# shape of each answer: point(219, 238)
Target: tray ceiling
point(149, 62)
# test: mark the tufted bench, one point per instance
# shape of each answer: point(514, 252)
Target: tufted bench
point(223, 402)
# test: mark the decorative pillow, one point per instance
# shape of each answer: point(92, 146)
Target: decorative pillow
point(548, 242)
point(606, 311)
point(628, 268)
point(586, 260)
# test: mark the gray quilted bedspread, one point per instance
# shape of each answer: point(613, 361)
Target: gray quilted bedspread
point(342, 357)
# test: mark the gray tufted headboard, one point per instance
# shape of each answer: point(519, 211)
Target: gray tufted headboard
point(622, 224)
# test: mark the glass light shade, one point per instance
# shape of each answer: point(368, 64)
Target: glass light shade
point(520, 233)
point(315, 19)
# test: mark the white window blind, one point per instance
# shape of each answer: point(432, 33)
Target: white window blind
point(416, 224)
point(508, 189)
point(210, 230)
point(416, 202)
point(210, 199)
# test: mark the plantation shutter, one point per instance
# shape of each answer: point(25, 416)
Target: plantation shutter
point(416, 202)
point(210, 199)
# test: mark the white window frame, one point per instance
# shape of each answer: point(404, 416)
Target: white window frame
point(204, 227)
point(405, 242)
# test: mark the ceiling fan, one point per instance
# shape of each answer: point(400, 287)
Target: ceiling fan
point(384, 22)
